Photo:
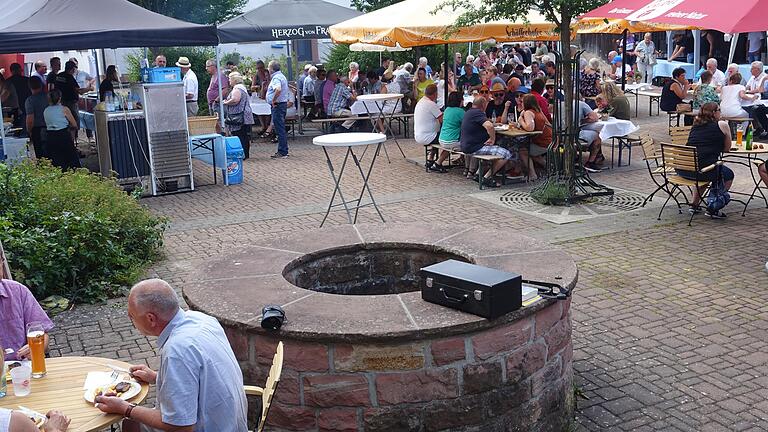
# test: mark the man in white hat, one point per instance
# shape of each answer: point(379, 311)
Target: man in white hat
point(190, 85)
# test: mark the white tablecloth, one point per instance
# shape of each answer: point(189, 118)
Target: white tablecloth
point(664, 68)
point(614, 127)
point(15, 149)
point(261, 107)
point(366, 107)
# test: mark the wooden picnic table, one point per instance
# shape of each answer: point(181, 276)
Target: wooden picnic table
point(515, 132)
point(62, 389)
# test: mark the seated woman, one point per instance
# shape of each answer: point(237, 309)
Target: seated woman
point(732, 96)
point(59, 145)
point(674, 91)
point(617, 102)
point(711, 136)
point(589, 80)
point(533, 119)
point(705, 92)
point(450, 131)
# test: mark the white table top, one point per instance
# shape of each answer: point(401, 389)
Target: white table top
point(349, 139)
point(613, 127)
point(379, 97)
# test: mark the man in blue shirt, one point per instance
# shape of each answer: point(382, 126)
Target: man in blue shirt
point(278, 96)
point(199, 384)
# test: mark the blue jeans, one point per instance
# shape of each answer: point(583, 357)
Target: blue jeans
point(278, 120)
point(753, 56)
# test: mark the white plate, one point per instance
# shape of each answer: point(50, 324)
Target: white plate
point(135, 389)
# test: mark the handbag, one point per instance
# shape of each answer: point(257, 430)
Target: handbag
point(718, 196)
point(683, 108)
point(235, 120)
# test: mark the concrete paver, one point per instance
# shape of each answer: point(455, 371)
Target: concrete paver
point(669, 320)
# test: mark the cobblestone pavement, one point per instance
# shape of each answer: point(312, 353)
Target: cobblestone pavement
point(670, 326)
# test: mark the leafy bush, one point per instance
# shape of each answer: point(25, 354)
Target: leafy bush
point(74, 234)
point(340, 56)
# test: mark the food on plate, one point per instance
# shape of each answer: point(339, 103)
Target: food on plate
point(112, 390)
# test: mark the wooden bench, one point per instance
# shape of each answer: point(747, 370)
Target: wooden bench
point(482, 160)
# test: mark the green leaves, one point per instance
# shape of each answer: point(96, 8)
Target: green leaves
point(196, 11)
point(74, 234)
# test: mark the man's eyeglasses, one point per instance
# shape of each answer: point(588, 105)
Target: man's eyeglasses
point(498, 95)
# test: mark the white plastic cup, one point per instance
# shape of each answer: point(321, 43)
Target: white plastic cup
point(22, 380)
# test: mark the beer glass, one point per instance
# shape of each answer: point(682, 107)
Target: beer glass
point(36, 341)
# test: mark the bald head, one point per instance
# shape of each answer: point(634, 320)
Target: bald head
point(479, 102)
point(154, 296)
point(513, 84)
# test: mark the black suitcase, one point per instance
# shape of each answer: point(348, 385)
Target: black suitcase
point(482, 291)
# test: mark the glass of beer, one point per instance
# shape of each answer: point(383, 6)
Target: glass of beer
point(36, 341)
point(739, 136)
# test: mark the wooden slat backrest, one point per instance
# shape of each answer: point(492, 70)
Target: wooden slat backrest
point(680, 134)
point(5, 270)
point(649, 147)
point(269, 388)
point(680, 157)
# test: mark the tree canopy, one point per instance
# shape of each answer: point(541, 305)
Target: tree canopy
point(372, 5)
point(196, 11)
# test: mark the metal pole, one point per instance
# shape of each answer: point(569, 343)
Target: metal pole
point(696, 51)
point(732, 51)
point(289, 60)
point(221, 94)
point(624, 57)
point(445, 72)
point(670, 47)
point(98, 73)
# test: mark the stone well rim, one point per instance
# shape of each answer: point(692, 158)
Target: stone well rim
point(247, 278)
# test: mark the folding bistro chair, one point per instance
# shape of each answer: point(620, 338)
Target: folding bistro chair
point(268, 392)
point(685, 158)
point(655, 165)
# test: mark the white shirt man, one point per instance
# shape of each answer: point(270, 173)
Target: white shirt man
point(718, 77)
point(190, 85)
point(757, 81)
point(427, 117)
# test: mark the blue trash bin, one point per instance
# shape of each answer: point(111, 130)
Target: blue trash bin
point(235, 157)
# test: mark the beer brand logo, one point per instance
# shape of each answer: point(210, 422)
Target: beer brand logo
point(654, 9)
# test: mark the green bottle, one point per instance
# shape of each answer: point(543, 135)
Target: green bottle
point(748, 146)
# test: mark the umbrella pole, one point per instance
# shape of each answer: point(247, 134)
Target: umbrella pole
point(289, 60)
point(732, 51)
point(98, 74)
point(221, 94)
point(624, 58)
point(696, 51)
point(445, 78)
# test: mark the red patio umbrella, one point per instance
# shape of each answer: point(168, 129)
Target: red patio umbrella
point(739, 16)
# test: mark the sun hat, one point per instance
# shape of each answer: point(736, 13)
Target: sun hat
point(183, 62)
point(497, 87)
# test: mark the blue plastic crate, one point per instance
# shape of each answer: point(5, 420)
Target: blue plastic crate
point(162, 75)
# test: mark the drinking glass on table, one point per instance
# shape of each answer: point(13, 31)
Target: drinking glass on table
point(36, 342)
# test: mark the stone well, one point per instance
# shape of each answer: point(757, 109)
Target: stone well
point(363, 352)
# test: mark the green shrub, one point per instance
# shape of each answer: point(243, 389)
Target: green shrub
point(74, 234)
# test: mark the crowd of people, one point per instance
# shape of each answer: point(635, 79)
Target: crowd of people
point(199, 377)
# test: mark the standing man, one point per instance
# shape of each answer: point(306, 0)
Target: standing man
point(21, 84)
point(51, 77)
point(217, 77)
point(278, 96)
point(41, 70)
point(160, 61)
point(35, 121)
point(190, 85)
point(755, 42)
point(199, 384)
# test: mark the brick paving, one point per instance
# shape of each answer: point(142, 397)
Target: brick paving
point(669, 324)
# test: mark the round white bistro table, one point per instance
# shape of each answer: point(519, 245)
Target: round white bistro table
point(613, 127)
point(350, 141)
point(379, 100)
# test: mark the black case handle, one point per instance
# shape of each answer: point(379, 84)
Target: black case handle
point(452, 299)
